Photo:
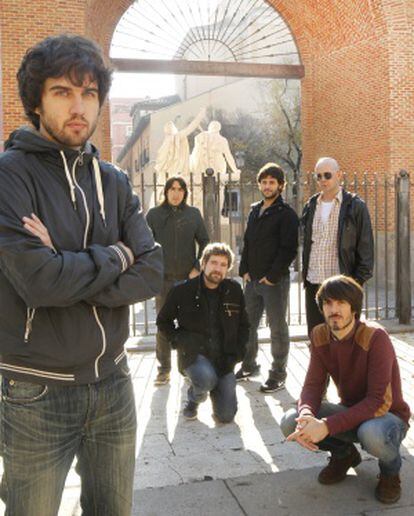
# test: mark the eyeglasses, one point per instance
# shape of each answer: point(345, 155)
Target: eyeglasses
point(325, 175)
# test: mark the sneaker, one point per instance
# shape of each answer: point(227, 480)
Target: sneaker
point(162, 378)
point(337, 468)
point(272, 385)
point(388, 489)
point(190, 410)
point(242, 374)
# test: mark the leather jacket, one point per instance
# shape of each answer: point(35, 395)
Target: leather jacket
point(355, 240)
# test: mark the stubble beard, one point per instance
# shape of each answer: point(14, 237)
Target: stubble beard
point(69, 140)
point(214, 278)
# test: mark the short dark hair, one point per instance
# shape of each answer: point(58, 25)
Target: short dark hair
point(272, 170)
point(341, 288)
point(217, 249)
point(66, 55)
point(169, 183)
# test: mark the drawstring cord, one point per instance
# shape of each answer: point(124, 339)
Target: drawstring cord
point(99, 189)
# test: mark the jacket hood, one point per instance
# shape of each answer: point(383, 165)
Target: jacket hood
point(30, 141)
point(27, 139)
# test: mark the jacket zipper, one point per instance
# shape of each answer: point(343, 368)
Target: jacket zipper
point(29, 323)
point(79, 160)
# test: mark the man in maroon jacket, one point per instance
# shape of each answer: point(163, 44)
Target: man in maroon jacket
point(361, 360)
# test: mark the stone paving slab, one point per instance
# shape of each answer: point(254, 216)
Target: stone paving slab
point(288, 493)
point(201, 499)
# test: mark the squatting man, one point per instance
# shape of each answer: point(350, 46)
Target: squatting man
point(361, 360)
point(204, 318)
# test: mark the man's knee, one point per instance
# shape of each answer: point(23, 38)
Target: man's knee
point(225, 415)
point(205, 379)
point(373, 437)
point(288, 422)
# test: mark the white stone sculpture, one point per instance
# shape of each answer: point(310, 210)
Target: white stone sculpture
point(174, 153)
point(211, 150)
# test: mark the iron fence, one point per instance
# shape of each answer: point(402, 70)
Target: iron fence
point(232, 201)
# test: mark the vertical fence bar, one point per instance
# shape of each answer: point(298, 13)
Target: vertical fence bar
point(192, 188)
point(386, 246)
point(365, 186)
point(403, 248)
point(376, 244)
point(230, 211)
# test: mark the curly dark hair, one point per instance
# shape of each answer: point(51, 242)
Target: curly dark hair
point(66, 55)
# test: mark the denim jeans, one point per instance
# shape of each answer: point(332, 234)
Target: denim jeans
point(45, 427)
point(273, 299)
point(222, 389)
point(380, 436)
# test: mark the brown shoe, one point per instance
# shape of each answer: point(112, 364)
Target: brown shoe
point(162, 378)
point(337, 468)
point(388, 489)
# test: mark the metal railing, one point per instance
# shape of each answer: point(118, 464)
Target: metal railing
point(387, 293)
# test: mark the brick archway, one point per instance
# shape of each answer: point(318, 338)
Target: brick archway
point(358, 90)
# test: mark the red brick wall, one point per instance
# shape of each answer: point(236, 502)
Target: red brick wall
point(358, 91)
point(23, 23)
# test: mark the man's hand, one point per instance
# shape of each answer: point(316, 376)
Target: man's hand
point(309, 430)
point(265, 281)
point(37, 228)
point(193, 273)
point(246, 277)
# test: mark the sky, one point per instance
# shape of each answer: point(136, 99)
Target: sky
point(131, 85)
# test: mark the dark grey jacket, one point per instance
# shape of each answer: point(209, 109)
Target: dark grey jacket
point(355, 240)
point(178, 229)
point(64, 313)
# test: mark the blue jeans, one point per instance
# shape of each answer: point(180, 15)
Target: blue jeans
point(273, 299)
point(222, 389)
point(45, 427)
point(380, 436)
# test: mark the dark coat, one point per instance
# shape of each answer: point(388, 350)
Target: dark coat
point(64, 313)
point(178, 229)
point(355, 240)
point(187, 307)
point(270, 241)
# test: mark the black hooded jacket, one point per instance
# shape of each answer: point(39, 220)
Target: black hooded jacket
point(64, 311)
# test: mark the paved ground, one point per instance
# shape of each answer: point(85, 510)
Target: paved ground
point(245, 468)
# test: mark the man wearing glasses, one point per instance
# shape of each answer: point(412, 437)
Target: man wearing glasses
point(337, 236)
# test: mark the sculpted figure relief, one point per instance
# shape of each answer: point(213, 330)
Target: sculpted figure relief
point(173, 155)
point(211, 150)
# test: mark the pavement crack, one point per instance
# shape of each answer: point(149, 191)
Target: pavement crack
point(234, 497)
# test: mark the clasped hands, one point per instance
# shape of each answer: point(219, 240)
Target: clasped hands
point(309, 431)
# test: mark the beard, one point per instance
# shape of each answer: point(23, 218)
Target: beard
point(67, 137)
point(340, 323)
point(214, 277)
point(270, 194)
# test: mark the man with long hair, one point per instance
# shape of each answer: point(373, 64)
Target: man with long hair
point(180, 229)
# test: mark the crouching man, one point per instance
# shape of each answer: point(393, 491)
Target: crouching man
point(204, 318)
point(361, 360)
